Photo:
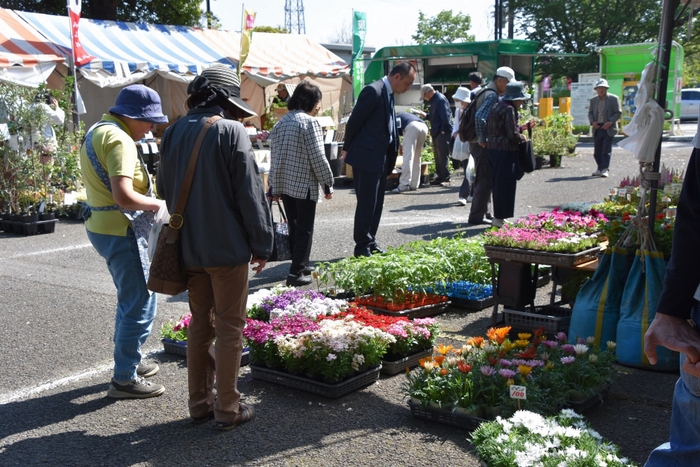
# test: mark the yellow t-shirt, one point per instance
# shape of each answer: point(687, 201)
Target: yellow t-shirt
point(117, 153)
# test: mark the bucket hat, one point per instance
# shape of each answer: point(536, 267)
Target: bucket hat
point(462, 94)
point(222, 76)
point(506, 72)
point(515, 91)
point(601, 83)
point(140, 103)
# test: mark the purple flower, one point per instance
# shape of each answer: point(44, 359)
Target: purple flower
point(568, 348)
point(561, 337)
point(506, 363)
point(487, 370)
point(568, 360)
point(550, 344)
point(507, 374)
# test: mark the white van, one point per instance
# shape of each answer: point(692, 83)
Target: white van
point(690, 104)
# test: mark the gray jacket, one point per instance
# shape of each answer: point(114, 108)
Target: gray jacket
point(612, 111)
point(227, 217)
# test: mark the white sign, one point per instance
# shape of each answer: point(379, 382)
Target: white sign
point(581, 95)
point(518, 392)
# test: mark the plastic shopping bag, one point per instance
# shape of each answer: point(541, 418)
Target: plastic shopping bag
point(471, 169)
point(162, 218)
point(460, 151)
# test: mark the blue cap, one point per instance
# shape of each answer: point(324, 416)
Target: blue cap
point(140, 103)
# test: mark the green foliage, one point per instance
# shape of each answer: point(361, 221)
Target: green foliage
point(554, 136)
point(177, 12)
point(444, 28)
point(273, 29)
point(29, 177)
point(580, 26)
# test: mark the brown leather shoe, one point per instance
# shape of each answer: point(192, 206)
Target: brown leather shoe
point(245, 413)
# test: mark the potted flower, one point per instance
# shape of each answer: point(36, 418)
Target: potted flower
point(268, 304)
point(173, 334)
point(553, 440)
point(476, 378)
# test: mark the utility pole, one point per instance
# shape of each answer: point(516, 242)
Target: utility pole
point(294, 20)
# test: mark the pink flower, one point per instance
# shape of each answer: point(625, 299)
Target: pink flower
point(507, 374)
point(568, 360)
point(487, 370)
point(568, 348)
point(561, 337)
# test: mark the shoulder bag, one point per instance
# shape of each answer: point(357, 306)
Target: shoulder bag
point(527, 156)
point(167, 274)
point(281, 248)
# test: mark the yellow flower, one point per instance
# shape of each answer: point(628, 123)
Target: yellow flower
point(522, 343)
point(524, 335)
point(508, 346)
point(549, 365)
point(524, 369)
point(443, 349)
point(510, 382)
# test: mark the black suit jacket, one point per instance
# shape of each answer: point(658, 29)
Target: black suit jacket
point(367, 131)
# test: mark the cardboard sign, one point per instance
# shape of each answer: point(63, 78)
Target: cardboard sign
point(518, 392)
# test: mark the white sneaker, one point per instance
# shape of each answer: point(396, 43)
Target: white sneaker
point(469, 199)
point(497, 222)
point(462, 201)
point(605, 173)
point(398, 190)
point(597, 173)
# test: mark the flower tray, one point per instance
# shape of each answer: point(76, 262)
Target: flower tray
point(567, 260)
point(175, 347)
point(411, 313)
point(332, 391)
point(180, 348)
point(473, 305)
point(399, 366)
point(590, 402)
point(553, 318)
point(445, 416)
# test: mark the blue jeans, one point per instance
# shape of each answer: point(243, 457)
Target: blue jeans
point(136, 305)
point(683, 450)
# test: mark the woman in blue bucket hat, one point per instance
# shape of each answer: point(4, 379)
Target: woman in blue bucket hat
point(119, 214)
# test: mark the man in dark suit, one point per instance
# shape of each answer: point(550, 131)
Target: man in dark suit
point(370, 147)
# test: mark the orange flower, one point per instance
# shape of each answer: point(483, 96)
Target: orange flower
point(422, 361)
point(539, 332)
point(528, 354)
point(478, 341)
point(444, 372)
point(438, 359)
point(493, 360)
point(463, 366)
point(443, 349)
point(498, 335)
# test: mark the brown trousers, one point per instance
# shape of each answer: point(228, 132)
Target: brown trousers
point(218, 303)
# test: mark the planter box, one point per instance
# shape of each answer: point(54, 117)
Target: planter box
point(411, 313)
point(331, 391)
point(180, 349)
point(553, 318)
point(30, 228)
point(399, 366)
point(445, 416)
point(472, 305)
point(499, 253)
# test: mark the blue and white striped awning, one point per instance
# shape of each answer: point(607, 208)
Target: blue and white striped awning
point(130, 52)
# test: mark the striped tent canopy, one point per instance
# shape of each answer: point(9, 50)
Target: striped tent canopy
point(280, 56)
point(130, 52)
point(25, 56)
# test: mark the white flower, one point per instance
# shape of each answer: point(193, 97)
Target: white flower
point(488, 348)
point(580, 349)
point(331, 357)
point(590, 340)
point(592, 358)
point(611, 345)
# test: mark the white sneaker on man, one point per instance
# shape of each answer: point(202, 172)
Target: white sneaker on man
point(605, 173)
point(597, 173)
point(497, 222)
point(462, 201)
point(398, 190)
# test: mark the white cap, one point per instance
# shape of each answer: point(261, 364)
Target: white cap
point(506, 72)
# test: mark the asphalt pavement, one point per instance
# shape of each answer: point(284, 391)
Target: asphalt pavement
point(57, 305)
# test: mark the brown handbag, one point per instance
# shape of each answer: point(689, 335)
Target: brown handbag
point(167, 274)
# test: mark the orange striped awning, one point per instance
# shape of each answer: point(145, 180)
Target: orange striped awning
point(21, 45)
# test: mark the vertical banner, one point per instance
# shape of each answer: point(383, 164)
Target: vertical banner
point(359, 28)
point(246, 36)
point(80, 57)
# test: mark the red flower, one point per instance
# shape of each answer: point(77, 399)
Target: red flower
point(528, 354)
point(463, 366)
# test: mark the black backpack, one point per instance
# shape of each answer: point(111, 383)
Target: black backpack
point(467, 125)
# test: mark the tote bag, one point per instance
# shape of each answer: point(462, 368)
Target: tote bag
point(527, 156)
point(282, 249)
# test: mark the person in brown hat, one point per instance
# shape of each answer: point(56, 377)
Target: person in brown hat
point(227, 225)
point(603, 114)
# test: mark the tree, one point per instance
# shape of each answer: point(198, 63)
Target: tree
point(177, 12)
point(273, 29)
point(342, 35)
point(443, 28)
point(579, 26)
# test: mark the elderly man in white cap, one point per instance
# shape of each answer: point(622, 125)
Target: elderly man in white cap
point(603, 114)
point(461, 98)
point(227, 225)
point(486, 99)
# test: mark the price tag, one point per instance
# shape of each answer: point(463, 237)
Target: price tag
point(668, 189)
point(518, 392)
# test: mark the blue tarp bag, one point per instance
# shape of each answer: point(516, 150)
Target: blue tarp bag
point(597, 307)
point(637, 310)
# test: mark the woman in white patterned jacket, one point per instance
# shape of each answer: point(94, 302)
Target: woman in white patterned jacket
point(298, 171)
